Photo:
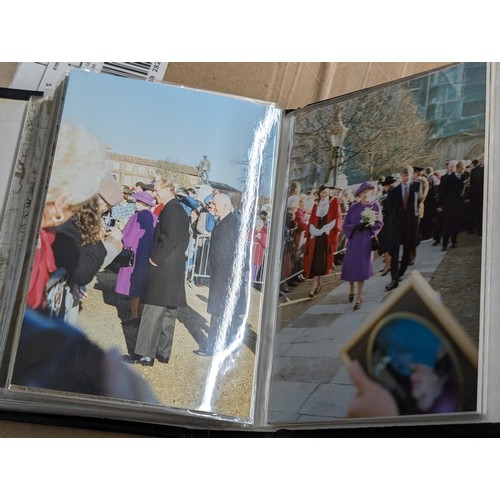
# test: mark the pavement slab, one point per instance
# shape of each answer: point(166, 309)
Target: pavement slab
point(309, 382)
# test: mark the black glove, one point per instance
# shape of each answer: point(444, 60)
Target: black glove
point(361, 226)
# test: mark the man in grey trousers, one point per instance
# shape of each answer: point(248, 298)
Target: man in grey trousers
point(165, 289)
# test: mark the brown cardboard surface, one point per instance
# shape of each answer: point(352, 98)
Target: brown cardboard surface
point(7, 70)
point(291, 85)
point(10, 429)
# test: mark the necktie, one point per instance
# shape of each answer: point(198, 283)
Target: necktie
point(405, 199)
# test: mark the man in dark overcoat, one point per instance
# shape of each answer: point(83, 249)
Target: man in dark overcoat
point(227, 294)
point(451, 188)
point(165, 290)
point(477, 194)
point(402, 218)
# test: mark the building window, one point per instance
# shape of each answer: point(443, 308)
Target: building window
point(142, 169)
point(129, 167)
point(127, 180)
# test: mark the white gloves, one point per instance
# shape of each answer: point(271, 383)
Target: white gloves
point(313, 231)
point(328, 227)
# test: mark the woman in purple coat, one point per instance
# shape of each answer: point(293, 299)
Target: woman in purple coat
point(138, 236)
point(362, 223)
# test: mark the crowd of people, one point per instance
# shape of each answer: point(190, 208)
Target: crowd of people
point(148, 233)
point(90, 221)
point(389, 218)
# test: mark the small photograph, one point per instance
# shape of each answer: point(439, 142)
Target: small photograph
point(411, 360)
point(382, 182)
point(411, 357)
point(148, 272)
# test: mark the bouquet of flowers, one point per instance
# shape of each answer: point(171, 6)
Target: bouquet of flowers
point(368, 217)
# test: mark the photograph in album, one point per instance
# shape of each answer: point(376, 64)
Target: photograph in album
point(383, 183)
point(144, 278)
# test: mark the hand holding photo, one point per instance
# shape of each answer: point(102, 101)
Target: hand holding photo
point(412, 352)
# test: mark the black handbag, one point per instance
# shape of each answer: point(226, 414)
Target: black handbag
point(375, 243)
point(125, 258)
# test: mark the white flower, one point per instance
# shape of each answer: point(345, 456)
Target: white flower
point(368, 217)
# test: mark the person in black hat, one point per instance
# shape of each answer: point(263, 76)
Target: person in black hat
point(383, 237)
point(429, 220)
point(418, 176)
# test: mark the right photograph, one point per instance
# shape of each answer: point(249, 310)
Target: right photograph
point(380, 291)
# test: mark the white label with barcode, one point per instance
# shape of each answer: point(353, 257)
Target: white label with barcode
point(44, 76)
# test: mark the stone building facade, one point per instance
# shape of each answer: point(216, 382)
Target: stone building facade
point(129, 170)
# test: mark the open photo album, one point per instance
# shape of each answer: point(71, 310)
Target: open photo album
point(181, 257)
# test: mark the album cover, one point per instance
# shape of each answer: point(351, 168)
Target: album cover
point(182, 257)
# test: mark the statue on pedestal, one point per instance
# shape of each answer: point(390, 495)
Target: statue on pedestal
point(203, 169)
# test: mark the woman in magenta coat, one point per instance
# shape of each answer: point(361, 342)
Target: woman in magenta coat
point(138, 236)
point(362, 222)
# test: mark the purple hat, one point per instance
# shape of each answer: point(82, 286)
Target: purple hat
point(364, 186)
point(145, 197)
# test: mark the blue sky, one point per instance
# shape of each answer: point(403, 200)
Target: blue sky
point(163, 122)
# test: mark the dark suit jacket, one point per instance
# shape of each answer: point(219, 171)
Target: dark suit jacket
point(450, 190)
point(165, 286)
point(476, 185)
point(402, 222)
point(223, 247)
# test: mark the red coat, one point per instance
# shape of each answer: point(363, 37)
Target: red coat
point(334, 213)
point(259, 246)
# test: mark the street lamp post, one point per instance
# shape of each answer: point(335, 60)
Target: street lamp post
point(337, 137)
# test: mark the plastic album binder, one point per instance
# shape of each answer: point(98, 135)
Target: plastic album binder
point(182, 257)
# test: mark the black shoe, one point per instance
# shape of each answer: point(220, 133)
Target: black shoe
point(392, 285)
point(162, 359)
point(137, 359)
point(357, 305)
point(411, 262)
point(443, 249)
point(203, 353)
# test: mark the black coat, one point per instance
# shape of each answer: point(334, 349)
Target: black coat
point(223, 246)
point(383, 236)
point(402, 223)
point(450, 191)
point(477, 185)
point(165, 286)
point(81, 262)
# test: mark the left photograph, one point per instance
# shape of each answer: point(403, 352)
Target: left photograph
point(148, 274)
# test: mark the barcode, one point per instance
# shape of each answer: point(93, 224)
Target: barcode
point(46, 76)
point(128, 69)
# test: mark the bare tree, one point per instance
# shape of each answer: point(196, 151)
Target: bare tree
point(385, 131)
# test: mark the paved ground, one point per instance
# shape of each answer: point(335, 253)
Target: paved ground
point(309, 381)
point(181, 383)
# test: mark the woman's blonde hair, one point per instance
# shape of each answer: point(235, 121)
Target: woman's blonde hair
point(79, 165)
